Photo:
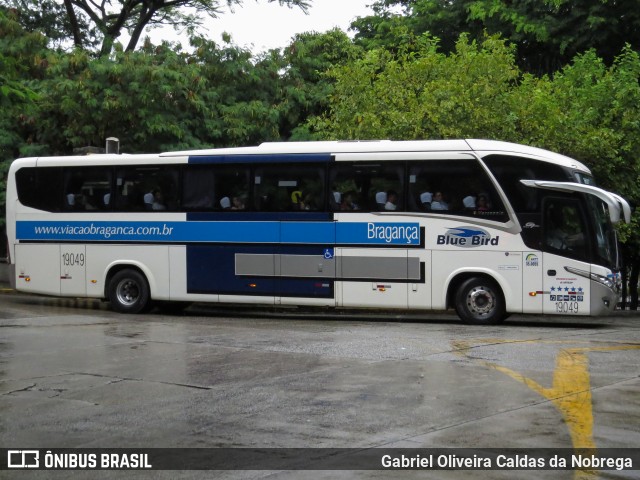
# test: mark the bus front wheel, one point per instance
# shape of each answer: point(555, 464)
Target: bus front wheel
point(129, 292)
point(479, 301)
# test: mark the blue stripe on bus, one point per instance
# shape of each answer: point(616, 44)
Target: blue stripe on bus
point(270, 232)
point(257, 158)
point(308, 232)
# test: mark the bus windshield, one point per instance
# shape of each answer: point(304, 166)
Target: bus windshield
point(606, 244)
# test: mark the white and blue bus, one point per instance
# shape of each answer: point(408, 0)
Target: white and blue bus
point(487, 228)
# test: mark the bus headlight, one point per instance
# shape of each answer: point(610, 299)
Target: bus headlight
point(607, 281)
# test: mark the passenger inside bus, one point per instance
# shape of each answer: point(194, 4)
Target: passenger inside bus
point(438, 202)
point(348, 202)
point(482, 204)
point(425, 200)
point(237, 203)
point(158, 200)
point(392, 200)
point(148, 200)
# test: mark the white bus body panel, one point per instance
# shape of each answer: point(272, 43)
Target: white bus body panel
point(565, 293)
point(503, 267)
point(532, 291)
point(419, 295)
point(152, 260)
point(73, 281)
point(38, 268)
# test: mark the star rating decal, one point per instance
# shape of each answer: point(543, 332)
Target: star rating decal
point(571, 290)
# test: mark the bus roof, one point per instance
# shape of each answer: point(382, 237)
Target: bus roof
point(363, 146)
point(482, 147)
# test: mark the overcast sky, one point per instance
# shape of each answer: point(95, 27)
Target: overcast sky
point(261, 26)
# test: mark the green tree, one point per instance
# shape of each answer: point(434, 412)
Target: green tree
point(49, 17)
point(149, 99)
point(20, 58)
point(88, 22)
point(161, 98)
point(306, 86)
point(242, 95)
point(548, 33)
point(422, 93)
point(395, 22)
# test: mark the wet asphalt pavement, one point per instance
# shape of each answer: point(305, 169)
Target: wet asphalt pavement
point(74, 374)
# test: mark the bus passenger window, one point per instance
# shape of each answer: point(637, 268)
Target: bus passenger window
point(232, 187)
point(368, 187)
point(87, 189)
point(455, 187)
point(152, 188)
point(40, 188)
point(289, 188)
point(198, 188)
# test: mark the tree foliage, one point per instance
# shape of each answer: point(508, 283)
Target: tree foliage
point(89, 23)
point(307, 87)
point(423, 93)
point(162, 98)
point(19, 60)
point(547, 33)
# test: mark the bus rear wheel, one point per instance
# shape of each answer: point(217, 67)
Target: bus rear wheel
point(479, 301)
point(129, 292)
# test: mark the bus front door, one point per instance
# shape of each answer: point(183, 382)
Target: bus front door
point(565, 247)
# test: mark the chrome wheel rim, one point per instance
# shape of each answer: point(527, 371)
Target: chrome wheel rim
point(481, 301)
point(127, 292)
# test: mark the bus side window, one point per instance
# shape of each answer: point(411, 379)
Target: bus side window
point(368, 187)
point(455, 187)
point(289, 188)
point(232, 187)
point(153, 188)
point(198, 188)
point(509, 170)
point(87, 189)
point(40, 188)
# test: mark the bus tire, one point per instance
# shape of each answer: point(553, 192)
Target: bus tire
point(129, 292)
point(479, 301)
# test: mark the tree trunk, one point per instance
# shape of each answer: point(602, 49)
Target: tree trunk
point(633, 283)
point(77, 37)
point(107, 44)
point(144, 18)
point(625, 278)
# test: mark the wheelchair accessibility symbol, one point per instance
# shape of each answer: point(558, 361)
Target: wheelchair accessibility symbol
point(328, 253)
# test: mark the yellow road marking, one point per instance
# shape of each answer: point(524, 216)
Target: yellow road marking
point(570, 391)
